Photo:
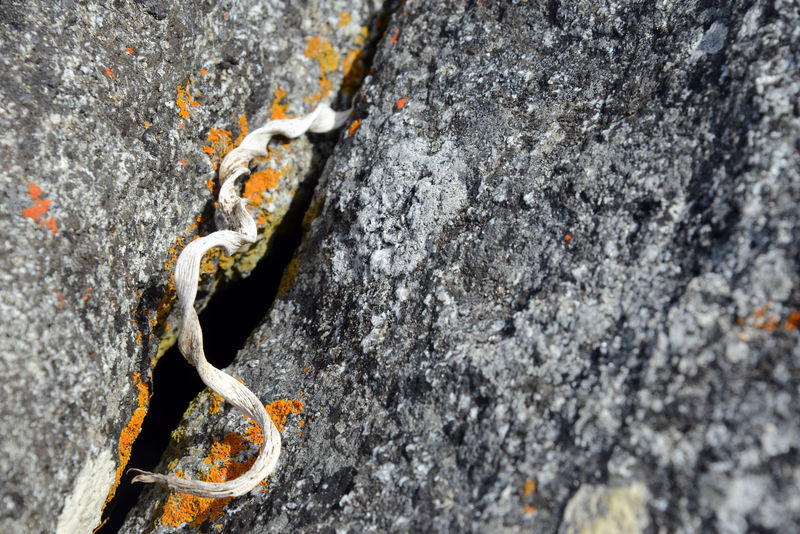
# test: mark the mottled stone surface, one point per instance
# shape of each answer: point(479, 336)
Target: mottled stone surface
point(112, 116)
point(552, 286)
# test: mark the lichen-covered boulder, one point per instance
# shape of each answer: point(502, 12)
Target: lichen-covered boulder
point(551, 285)
point(115, 116)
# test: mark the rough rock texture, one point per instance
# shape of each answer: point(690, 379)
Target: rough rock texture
point(114, 116)
point(553, 285)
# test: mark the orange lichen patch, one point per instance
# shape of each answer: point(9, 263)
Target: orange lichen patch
point(216, 403)
point(320, 49)
point(344, 19)
point(87, 294)
point(242, 130)
point(567, 238)
point(219, 145)
point(210, 260)
point(396, 36)
point(181, 508)
point(528, 488)
point(129, 50)
point(60, 300)
point(530, 510)
point(771, 323)
point(793, 321)
point(282, 408)
point(110, 74)
point(183, 162)
point(354, 127)
point(38, 209)
point(174, 251)
point(138, 338)
point(760, 312)
point(401, 103)
point(131, 430)
point(259, 182)
point(254, 434)
point(210, 185)
point(301, 424)
point(279, 107)
point(204, 72)
point(354, 67)
point(185, 100)
point(305, 368)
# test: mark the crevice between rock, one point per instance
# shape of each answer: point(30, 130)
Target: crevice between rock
point(175, 383)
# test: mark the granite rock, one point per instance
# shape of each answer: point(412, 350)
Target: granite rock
point(551, 285)
point(115, 115)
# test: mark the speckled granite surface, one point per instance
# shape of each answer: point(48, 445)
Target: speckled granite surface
point(552, 287)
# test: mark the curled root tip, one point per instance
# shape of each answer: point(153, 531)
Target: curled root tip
point(143, 476)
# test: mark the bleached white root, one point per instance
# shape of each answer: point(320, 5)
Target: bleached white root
point(190, 341)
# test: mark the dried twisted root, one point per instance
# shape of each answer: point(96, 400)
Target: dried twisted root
point(243, 230)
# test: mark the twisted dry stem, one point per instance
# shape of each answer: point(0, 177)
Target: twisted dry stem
point(242, 231)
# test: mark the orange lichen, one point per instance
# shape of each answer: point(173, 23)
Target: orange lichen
point(259, 182)
point(344, 19)
point(87, 294)
point(793, 321)
point(282, 408)
point(216, 403)
point(60, 300)
point(320, 49)
point(771, 323)
point(138, 338)
point(528, 488)
point(110, 74)
point(223, 465)
point(204, 72)
point(396, 36)
point(567, 238)
point(401, 103)
point(129, 50)
point(210, 184)
point(183, 162)
point(131, 430)
point(530, 510)
point(185, 100)
point(242, 130)
point(38, 209)
point(279, 108)
point(354, 127)
point(220, 144)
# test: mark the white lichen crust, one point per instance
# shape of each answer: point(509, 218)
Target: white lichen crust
point(242, 231)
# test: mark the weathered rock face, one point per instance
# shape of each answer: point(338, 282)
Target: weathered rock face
point(115, 117)
point(552, 286)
